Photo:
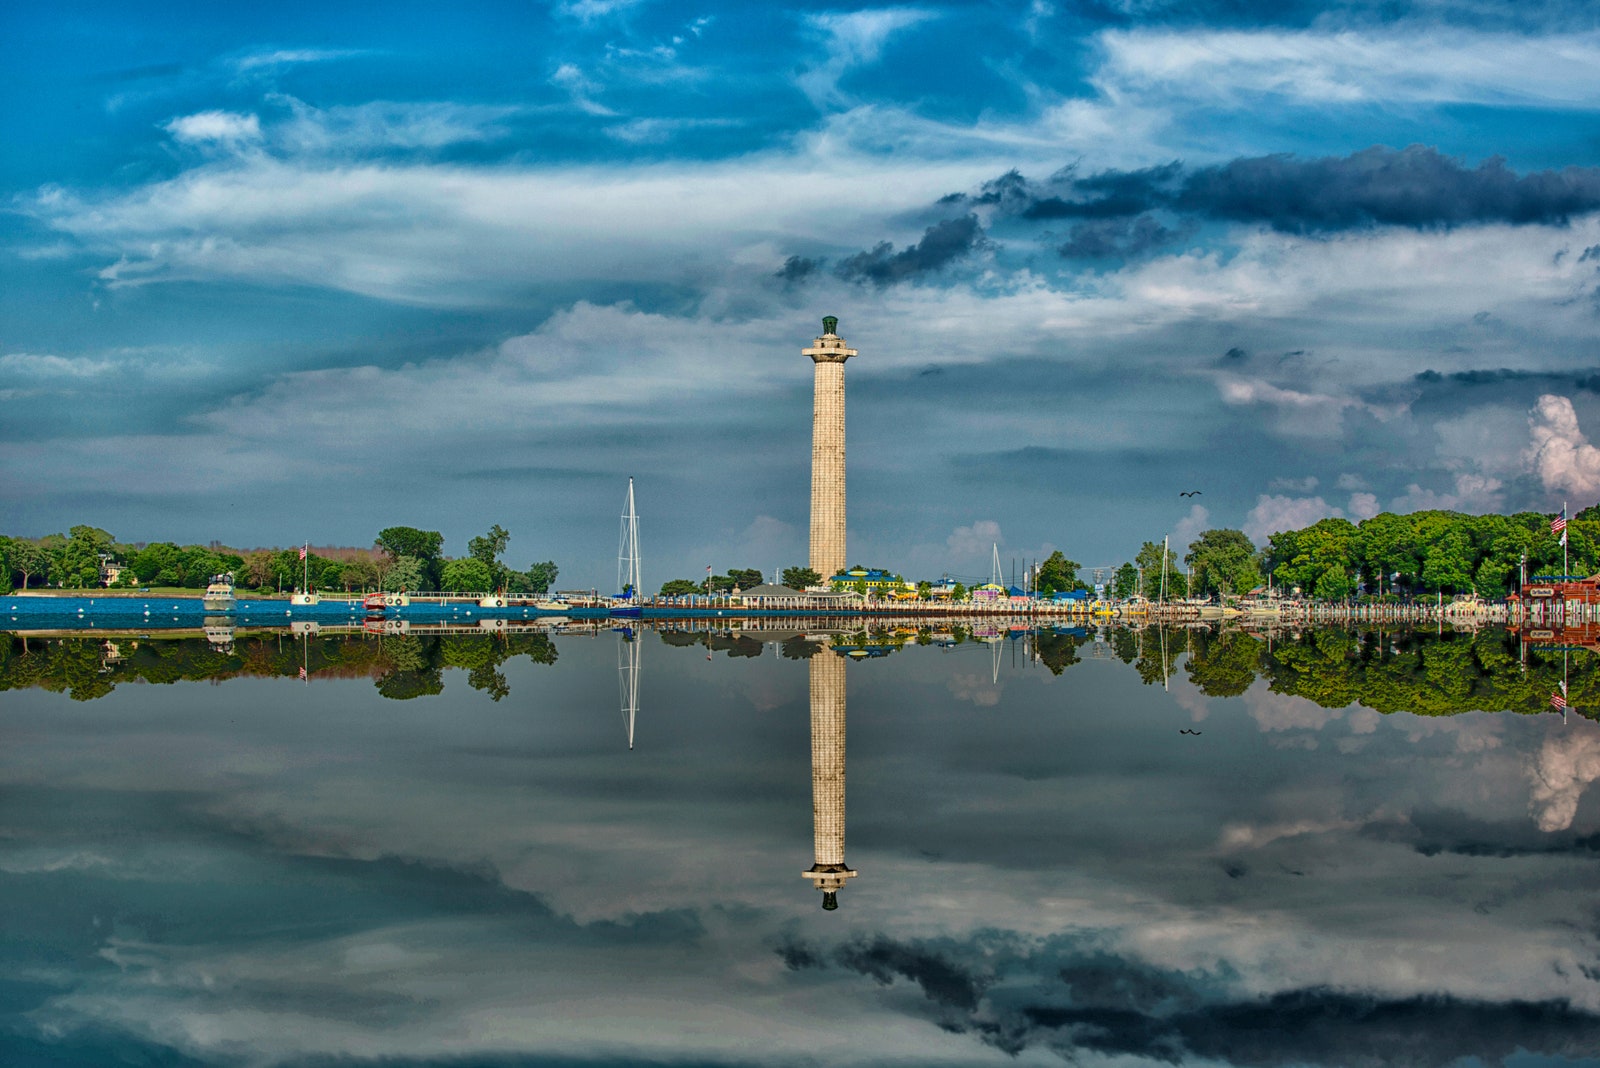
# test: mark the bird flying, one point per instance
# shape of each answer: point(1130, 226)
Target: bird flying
point(1186, 730)
point(1190, 493)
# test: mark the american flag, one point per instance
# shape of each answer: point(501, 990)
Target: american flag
point(1559, 523)
point(1558, 700)
point(303, 675)
point(303, 548)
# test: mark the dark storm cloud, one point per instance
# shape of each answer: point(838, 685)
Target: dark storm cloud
point(1068, 996)
point(1109, 194)
point(1436, 383)
point(797, 269)
point(941, 245)
point(1481, 377)
point(1117, 238)
point(1416, 187)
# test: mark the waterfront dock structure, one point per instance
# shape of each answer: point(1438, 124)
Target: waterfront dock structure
point(828, 354)
point(828, 871)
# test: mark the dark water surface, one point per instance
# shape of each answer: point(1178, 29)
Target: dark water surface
point(1372, 849)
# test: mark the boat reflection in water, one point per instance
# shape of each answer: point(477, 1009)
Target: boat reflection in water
point(829, 871)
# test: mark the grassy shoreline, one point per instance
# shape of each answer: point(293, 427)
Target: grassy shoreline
point(154, 591)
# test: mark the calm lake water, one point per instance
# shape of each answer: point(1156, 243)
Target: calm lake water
point(1330, 847)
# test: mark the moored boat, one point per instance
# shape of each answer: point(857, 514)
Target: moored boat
point(219, 594)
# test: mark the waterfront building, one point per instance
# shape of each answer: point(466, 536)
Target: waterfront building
point(828, 354)
point(873, 578)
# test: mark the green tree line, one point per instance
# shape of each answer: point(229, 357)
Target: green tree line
point(402, 558)
point(1422, 553)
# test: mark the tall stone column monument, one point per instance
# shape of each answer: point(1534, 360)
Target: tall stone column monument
point(829, 871)
point(828, 353)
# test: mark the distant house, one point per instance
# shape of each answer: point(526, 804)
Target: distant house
point(109, 573)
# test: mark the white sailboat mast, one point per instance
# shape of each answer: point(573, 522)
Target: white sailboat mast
point(628, 550)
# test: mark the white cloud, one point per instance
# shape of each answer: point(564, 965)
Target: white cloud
point(977, 540)
point(1278, 513)
point(45, 365)
point(589, 10)
point(1294, 485)
point(285, 57)
point(852, 39)
point(1473, 493)
point(1363, 506)
point(219, 127)
point(1410, 63)
point(1559, 453)
point(1189, 528)
point(356, 128)
point(769, 545)
point(580, 87)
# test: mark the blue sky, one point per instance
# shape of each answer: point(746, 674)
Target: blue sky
point(293, 273)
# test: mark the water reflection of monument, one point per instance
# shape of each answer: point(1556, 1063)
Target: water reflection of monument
point(829, 872)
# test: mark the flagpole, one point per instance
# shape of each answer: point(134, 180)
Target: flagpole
point(1564, 564)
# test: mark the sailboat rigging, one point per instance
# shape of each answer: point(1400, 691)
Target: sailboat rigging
point(629, 584)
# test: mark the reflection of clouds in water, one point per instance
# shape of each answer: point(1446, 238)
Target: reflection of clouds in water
point(522, 985)
point(977, 689)
point(766, 693)
point(581, 918)
point(1468, 732)
point(1283, 712)
point(1567, 762)
point(1236, 836)
point(1191, 700)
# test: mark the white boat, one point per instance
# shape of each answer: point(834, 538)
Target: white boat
point(219, 594)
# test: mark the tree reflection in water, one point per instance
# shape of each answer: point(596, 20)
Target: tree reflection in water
point(1425, 672)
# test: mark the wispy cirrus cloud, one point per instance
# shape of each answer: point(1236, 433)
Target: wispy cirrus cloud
point(1404, 63)
point(277, 58)
point(852, 39)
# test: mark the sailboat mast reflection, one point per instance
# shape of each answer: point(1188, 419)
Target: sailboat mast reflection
point(629, 646)
point(829, 872)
